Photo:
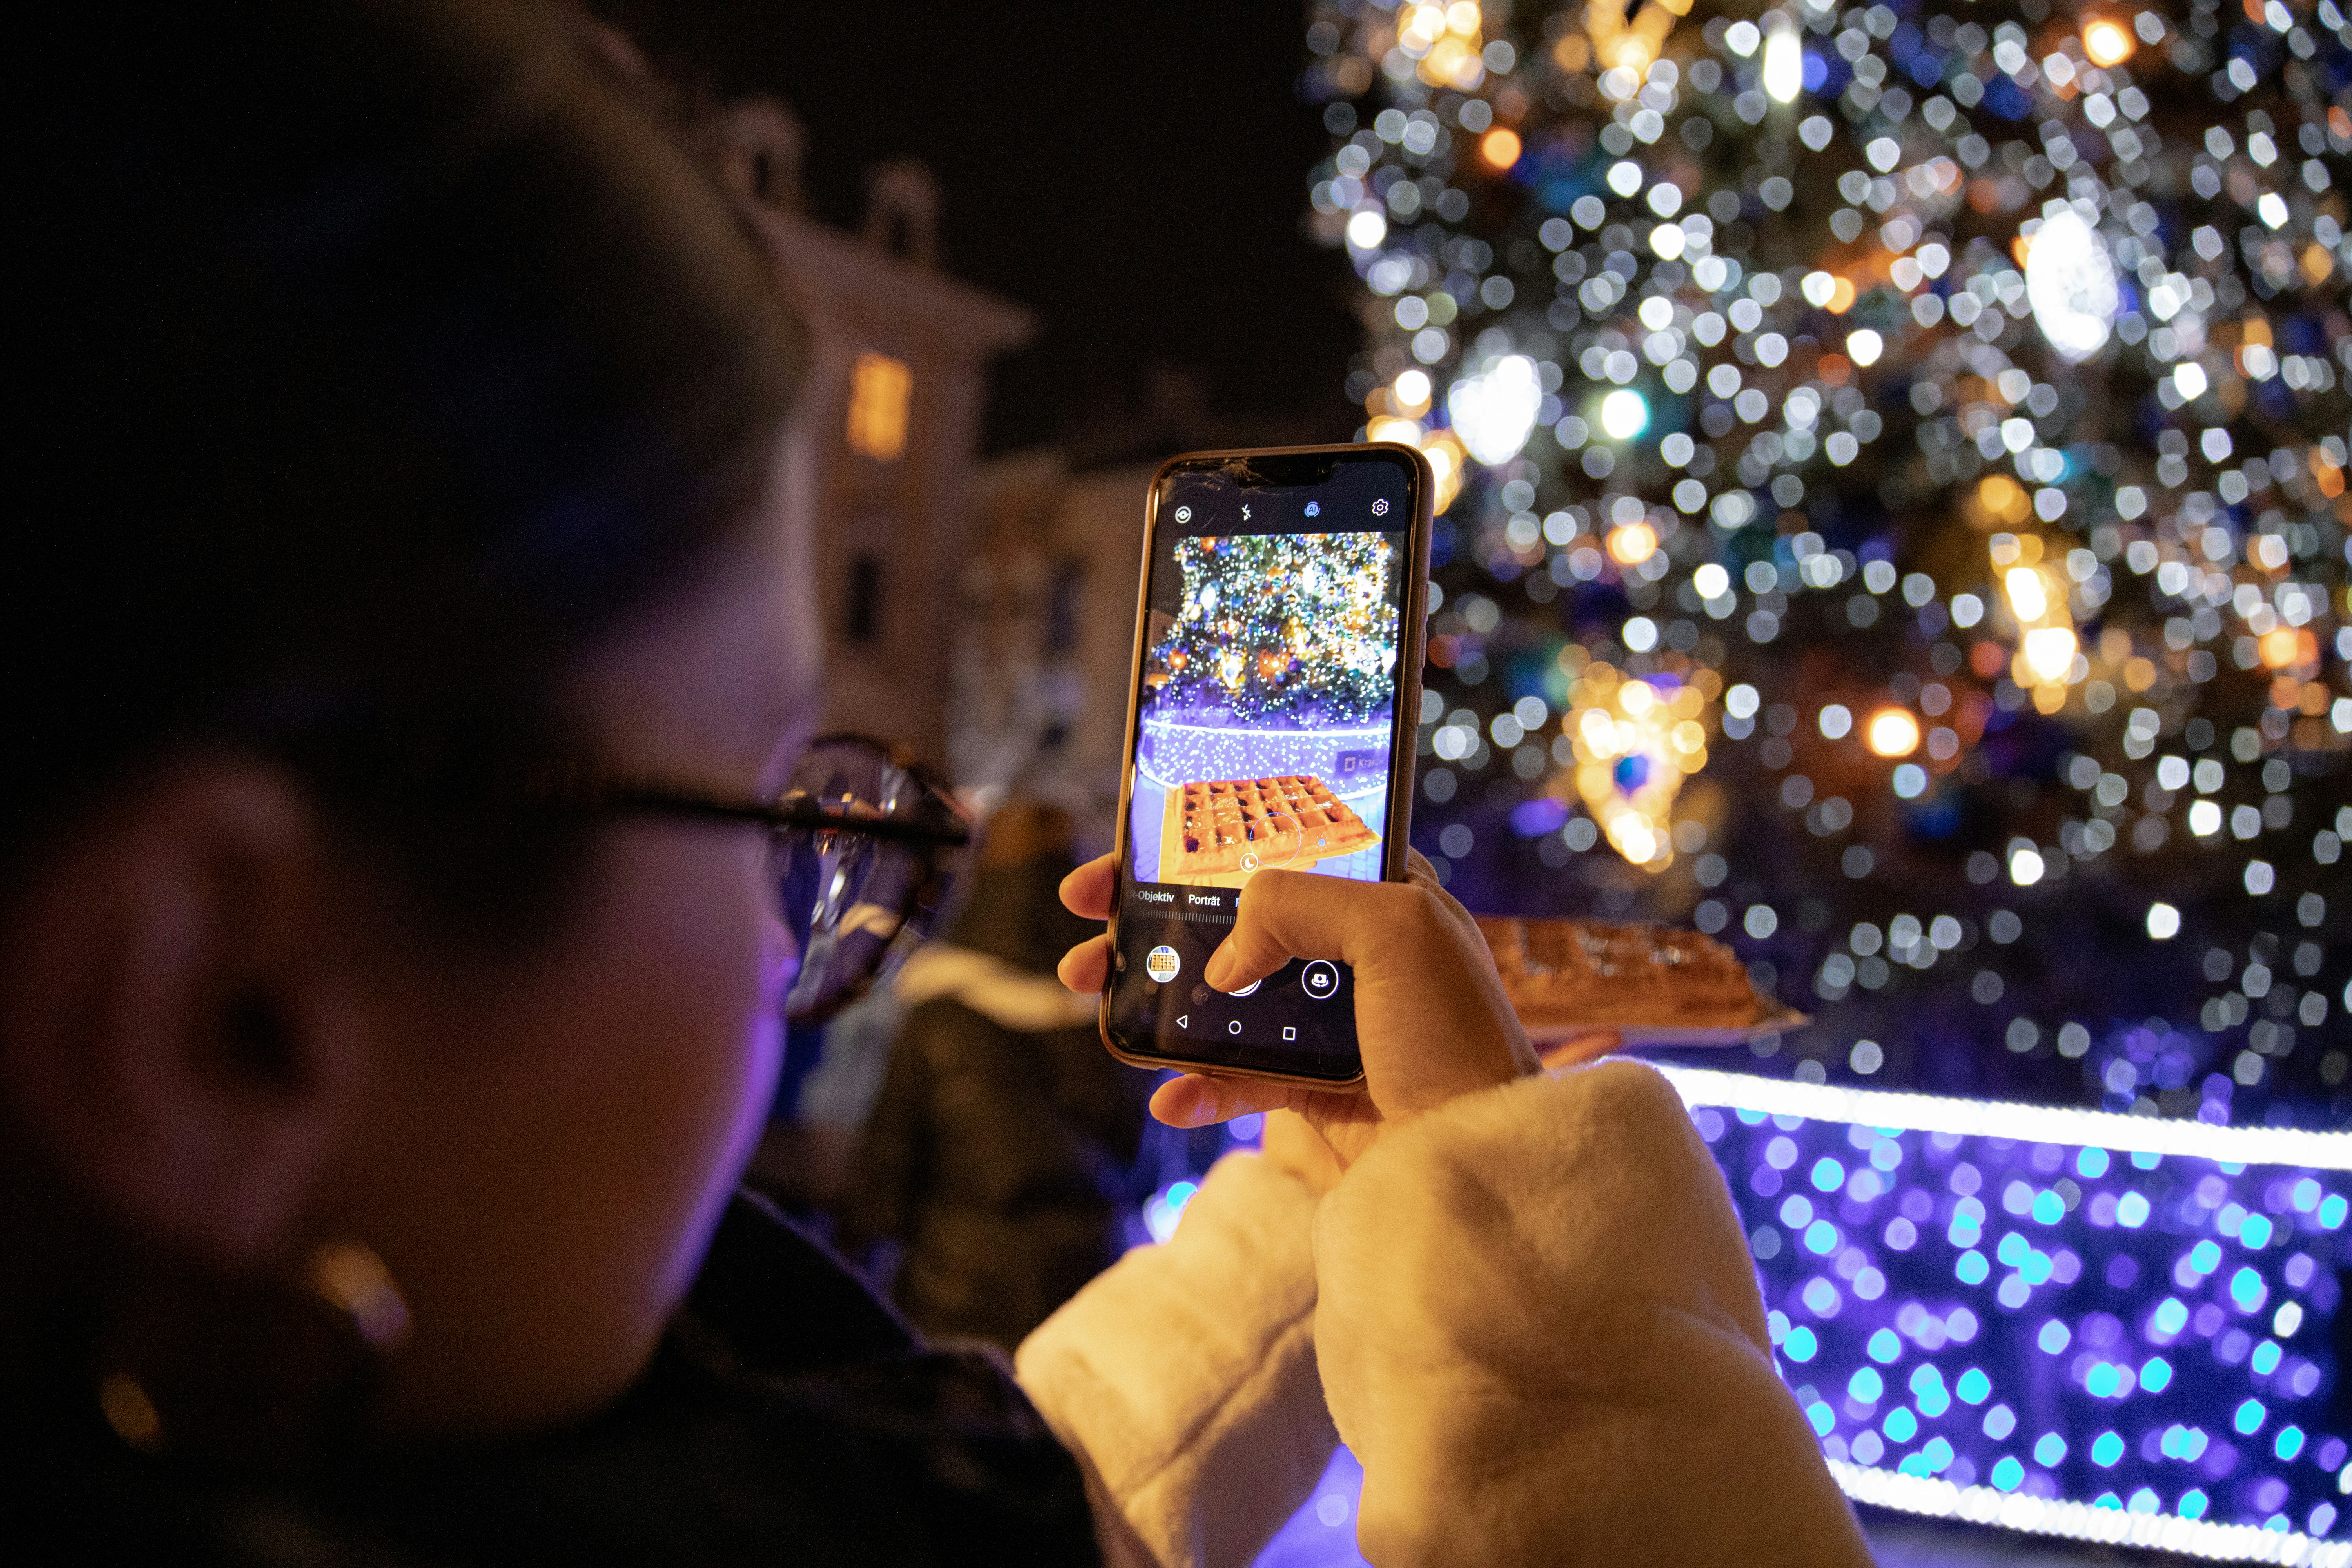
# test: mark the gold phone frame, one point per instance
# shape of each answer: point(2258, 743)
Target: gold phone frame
point(1414, 643)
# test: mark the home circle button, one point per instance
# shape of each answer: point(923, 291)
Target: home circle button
point(1321, 980)
point(1234, 1027)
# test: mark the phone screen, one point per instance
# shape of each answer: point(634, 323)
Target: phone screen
point(1277, 668)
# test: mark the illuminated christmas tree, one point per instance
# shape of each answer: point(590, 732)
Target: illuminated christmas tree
point(1901, 517)
point(1280, 627)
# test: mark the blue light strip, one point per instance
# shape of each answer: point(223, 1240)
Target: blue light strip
point(2081, 1521)
point(2035, 1123)
point(2109, 1327)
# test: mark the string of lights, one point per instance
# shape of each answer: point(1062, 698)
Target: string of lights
point(2118, 1322)
point(1279, 626)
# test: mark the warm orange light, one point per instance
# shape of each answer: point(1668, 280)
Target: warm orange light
point(1500, 147)
point(2004, 500)
point(1892, 732)
point(2108, 42)
point(879, 387)
point(2140, 674)
point(2329, 477)
point(2049, 652)
point(1447, 461)
point(1841, 297)
point(2282, 648)
point(1633, 544)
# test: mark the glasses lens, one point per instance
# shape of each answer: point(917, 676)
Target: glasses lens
point(855, 905)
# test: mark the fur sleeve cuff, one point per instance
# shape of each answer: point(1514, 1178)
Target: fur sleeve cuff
point(1184, 1377)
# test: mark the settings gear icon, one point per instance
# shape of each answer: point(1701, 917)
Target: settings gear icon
point(1379, 509)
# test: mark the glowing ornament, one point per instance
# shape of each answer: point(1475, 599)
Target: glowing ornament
point(2050, 652)
point(2107, 41)
point(1495, 410)
point(2070, 283)
point(1623, 415)
point(1444, 454)
point(1784, 65)
point(1635, 741)
point(1633, 544)
point(2027, 597)
point(1892, 733)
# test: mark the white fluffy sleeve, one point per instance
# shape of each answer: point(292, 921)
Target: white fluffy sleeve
point(1541, 1333)
point(1183, 1377)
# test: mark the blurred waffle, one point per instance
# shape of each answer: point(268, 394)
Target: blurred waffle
point(1650, 984)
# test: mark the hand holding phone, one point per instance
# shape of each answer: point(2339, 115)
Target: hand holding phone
point(1431, 1016)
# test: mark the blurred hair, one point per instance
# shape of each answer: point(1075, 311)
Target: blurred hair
point(373, 357)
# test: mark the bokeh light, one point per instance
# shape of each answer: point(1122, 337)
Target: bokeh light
point(1892, 732)
point(2107, 41)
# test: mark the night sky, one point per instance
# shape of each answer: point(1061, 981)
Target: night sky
point(1134, 172)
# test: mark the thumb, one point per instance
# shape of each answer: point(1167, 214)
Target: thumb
point(1283, 915)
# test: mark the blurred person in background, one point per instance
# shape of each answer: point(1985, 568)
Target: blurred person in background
point(998, 1154)
point(408, 657)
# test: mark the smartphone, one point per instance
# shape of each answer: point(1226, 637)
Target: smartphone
point(1276, 695)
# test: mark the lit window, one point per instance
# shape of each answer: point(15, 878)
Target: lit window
point(878, 390)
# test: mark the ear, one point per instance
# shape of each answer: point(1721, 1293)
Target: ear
point(171, 1039)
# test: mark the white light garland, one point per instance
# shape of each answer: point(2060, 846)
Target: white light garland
point(1994, 1118)
point(2084, 1521)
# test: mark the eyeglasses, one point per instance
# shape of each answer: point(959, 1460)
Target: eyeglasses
point(863, 848)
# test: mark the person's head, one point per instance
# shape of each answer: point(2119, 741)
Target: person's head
point(399, 415)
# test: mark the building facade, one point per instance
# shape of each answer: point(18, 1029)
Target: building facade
point(884, 442)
